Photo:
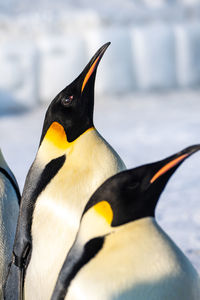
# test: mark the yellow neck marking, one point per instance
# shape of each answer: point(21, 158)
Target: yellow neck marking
point(57, 136)
point(104, 209)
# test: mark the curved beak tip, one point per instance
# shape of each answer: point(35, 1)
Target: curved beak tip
point(192, 149)
point(106, 45)
point(93, 64)
point(100, 52)
point(104, 48)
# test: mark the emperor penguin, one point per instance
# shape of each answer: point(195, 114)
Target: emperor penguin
point(73, 160)
point(9, 209)
point(120, 251)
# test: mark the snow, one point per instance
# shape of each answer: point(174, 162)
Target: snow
point(187, 40)
point(142, 128)
point(154, 51)
point(155, 46)
point(62, 57)
point(19, 68)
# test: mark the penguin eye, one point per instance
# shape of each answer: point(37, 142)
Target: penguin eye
point(133, 185)
point(66, 101)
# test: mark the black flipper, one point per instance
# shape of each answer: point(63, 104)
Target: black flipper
point(36, 182)
point(75, 260)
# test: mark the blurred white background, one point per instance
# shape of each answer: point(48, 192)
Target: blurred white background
point(44, 45)
point(147, 88)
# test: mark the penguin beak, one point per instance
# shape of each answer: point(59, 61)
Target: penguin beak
point(174, 161)
point(91, 67)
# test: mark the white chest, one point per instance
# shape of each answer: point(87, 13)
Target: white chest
point(58, 211)
point(137, 263)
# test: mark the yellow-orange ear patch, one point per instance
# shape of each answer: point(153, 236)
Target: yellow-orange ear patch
point(104, 209)
point(89, 73)
point(57, 136)
point(167, 167)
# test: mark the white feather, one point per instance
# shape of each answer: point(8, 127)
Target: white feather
point(58, 209)
point(137, 262)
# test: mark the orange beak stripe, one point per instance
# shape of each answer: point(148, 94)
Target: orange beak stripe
point(89, 73)
point(167, 167)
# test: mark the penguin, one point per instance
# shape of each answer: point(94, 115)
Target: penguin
point(73, 159)
point(120, 251)
point(9, 209)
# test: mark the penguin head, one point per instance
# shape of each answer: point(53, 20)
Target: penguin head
point(130, 195)
point(71, 111)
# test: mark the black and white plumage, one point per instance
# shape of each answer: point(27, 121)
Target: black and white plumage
point(120, 251)
point(72, 161)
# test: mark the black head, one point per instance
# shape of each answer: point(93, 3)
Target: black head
point(133, 194)
point(73, 107)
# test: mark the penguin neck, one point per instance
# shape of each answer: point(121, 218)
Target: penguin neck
point(147, 234)
point(85, 160)
point(55, 143)
point(141, 228)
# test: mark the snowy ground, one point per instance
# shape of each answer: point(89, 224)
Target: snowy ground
point(142, 128)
